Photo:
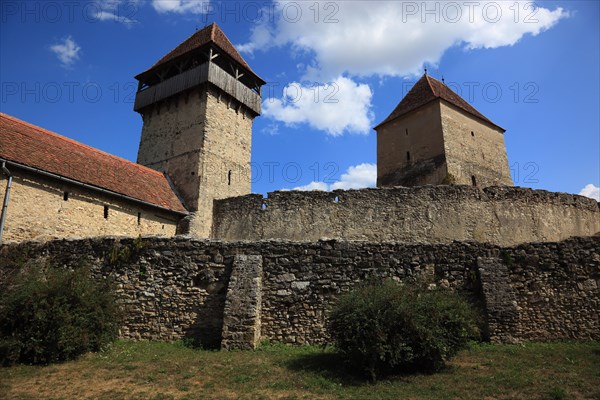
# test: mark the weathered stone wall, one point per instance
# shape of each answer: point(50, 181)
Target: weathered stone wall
point(171, 141)
point(544, 291)
point(473, 149)
point(170, 288)
point(427, 214)
point(440, 143)
point(202, 140)
point(410, 149)
point(243, 305)
point(225, 158)
point(176, 287)
point(37, 210)
point(300, 286)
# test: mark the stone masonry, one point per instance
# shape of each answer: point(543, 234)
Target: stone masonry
point(202, 141)
point(473, 149)
point(38, 210)
point(426, 214)
point(434, 137)
point(427, 164)
point(241, 321)
point(224, 294)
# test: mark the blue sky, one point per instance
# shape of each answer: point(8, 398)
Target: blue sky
point(69, 67)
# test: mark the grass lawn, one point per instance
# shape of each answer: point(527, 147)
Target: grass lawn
point(146, 370)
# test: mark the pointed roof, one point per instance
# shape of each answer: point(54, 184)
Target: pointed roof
point(210, 34)
point(35, 147)
point(426, 90)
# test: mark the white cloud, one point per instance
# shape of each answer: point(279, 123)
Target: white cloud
point(322, 186)
point(182, 6)
point(592, 191)
point(121, 11)
point(337, 107)
point(393, 38)
point(380, 38)
point(356, 177)
point(67, 51)
point(109, 16)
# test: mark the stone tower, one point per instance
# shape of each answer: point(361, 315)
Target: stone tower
point(435, 137)
point(197, 104)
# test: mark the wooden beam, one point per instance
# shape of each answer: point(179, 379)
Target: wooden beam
point(161, 75)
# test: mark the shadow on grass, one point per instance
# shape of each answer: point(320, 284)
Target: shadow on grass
point(328, 365)
point(331, 366)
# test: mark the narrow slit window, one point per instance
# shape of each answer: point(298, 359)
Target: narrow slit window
point(473, 180)
point(229, 178)
point(406, 131)
point(66, 196)
point(139, 218)
point(472, 133)
point(408, 156)
point(105, 212)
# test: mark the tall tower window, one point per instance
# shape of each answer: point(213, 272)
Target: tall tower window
point(473, 180)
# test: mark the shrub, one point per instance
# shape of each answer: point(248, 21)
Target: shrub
point(388, 328)
point(55, 315)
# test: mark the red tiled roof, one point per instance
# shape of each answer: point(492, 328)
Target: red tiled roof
point(211, 33)
point(428, 89)
point(30, 145)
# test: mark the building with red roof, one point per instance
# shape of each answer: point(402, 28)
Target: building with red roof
point(434, 136)
point(198, 103)
point(53, 186)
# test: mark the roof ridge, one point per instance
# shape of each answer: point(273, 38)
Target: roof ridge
point(210, 34)
point(216, 28)
point(431, 86)
point(67, 139)
point(213, 30)
point(427, 89)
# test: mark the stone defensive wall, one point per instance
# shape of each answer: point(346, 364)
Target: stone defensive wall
point(426, 214)
point(235, 294)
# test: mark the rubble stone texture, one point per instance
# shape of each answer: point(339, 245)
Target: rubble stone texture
point(234, 294)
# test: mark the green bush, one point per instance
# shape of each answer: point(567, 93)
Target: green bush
point(388, 328)
point(51, 315)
